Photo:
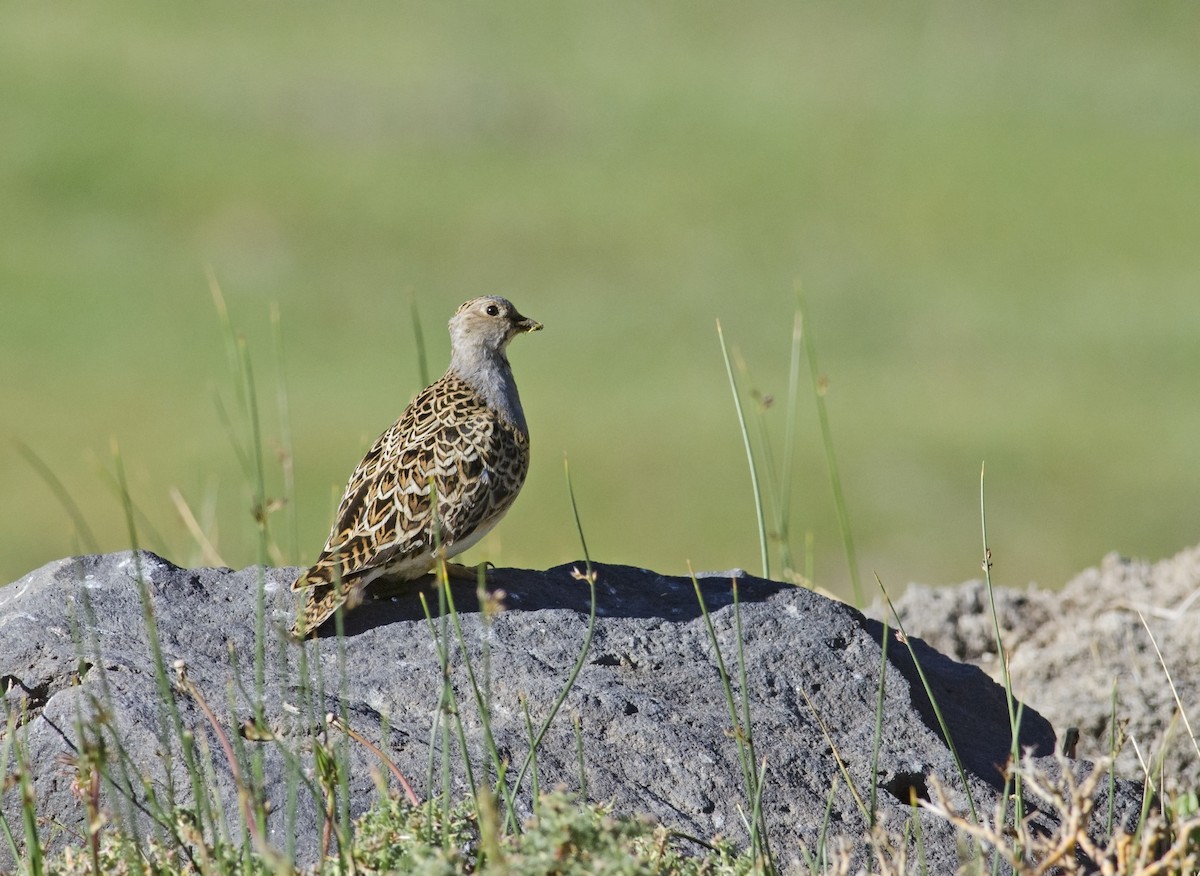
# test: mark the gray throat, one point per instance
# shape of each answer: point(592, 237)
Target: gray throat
point(490, 375)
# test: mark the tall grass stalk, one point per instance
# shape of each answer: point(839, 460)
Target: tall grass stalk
point(12, 747)
point(209, 554)
point(1112, 756)
point(760, 843)
point(124, 789)
point(920, 835)
point(448, 703)
point(877, 738)
point(261, 511)
point(254, 467)
point(937, 710)
point(220, 832)
point(588, 576)
point(1182, 712)
point(149, 536)
point(448, 710)
point(448, 706)
point(778, 481)
point(818, 861)
point(743, 682)
point(835, 479)
point(789, 445)
point(776, 489)
point(83, 532)
point(535, 789)
point(343, 748)
point(251, 457)
point(312, 706)
point(418, 340)
point(577, 726)
point(741, 730)
point(245, 794)
point(1015, 711)
point(168, 712)
point(434, 729)
point(837, 757)
point(757, 820)
point(987, 577)
point(233, 363)
point(33, 842)
point(480, 692)
point(366, 743)
point(754, 481)
point(6, 753)
point(287, 450)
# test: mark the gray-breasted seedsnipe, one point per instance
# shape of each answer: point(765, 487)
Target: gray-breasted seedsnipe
point(466, 435)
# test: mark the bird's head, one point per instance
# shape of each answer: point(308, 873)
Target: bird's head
point(487, 324)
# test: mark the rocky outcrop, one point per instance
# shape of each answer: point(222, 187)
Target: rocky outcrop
point(1071, 651)
point(651, 712)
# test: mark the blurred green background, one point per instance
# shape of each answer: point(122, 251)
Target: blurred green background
point(992, 209)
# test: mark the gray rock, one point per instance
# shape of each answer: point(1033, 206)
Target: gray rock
point(653, 719)
point(1069, 650)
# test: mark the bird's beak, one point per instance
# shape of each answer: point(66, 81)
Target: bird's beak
point(526, 324)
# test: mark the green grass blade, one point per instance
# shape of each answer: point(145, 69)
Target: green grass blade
point(64, 497)
point(877, 739)
point(835, 478)
point(94, 656)
point(754, 481)
point(589, 577)
point(744, 756)
point(1014, 723)
point(480, 693)
point(577, 725)
point(535, 790)
point(1181, 711)
point(167, 713)
point(287, 449)
point(34, 853)
point(765, 459)
point(937, 710)
point(789, 446)
point(343, 746)
point(419, 340)
point(6, 743)
point(1112, 755)
point(759, 838)
point(920, 834)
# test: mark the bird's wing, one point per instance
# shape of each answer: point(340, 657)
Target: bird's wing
point(382, 514)
point(476, 463)
point(447, 436)
point(385, 506)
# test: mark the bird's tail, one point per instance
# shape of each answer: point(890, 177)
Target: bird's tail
point(325, 591)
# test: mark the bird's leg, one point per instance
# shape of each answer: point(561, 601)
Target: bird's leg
point(389, 588)
point(466, 573)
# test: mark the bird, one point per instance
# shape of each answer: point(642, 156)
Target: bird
point(462, 443)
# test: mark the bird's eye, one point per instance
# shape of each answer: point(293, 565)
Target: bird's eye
point(492, 310)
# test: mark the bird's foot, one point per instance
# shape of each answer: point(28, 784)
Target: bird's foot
point(389, 588)
point(466, 573)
